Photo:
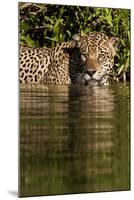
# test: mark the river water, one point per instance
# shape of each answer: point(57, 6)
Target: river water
point(74, 139)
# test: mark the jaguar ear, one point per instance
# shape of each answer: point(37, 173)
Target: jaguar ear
point(76, 38)
point(114, 41)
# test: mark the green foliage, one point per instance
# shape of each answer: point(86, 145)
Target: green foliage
point(46, 25)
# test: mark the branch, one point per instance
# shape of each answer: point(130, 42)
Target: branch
point(25, 5)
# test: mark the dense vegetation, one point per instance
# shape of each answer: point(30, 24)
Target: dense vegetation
point(46, 25)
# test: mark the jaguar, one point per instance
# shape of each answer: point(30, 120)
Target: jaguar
point(79, 61)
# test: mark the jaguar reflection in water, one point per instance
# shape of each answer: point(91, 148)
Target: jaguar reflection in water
point(74, 139)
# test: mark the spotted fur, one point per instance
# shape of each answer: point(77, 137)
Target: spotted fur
point(74, 62)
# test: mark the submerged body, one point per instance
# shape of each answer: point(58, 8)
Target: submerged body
point(74, 62)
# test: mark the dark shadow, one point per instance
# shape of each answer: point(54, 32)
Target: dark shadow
point(13, 193)
point(76, 65)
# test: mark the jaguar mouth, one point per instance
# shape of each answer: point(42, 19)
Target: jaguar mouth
point(93, 82)
point(92, 79)
point(97, 78)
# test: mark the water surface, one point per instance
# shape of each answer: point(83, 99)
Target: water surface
point(74, 139)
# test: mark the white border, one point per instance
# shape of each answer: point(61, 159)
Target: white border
point(9, 99)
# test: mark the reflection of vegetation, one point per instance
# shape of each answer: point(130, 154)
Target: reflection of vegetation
point(47, 25)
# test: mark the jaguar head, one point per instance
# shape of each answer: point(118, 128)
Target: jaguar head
point(97, 52)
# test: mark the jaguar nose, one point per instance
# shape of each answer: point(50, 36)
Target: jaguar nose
point(90, 72)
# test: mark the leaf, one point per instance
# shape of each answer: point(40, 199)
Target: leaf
point(121, 69)
point(68, 32)
point(52, 39)
point(28, 40)
point(48, 19)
